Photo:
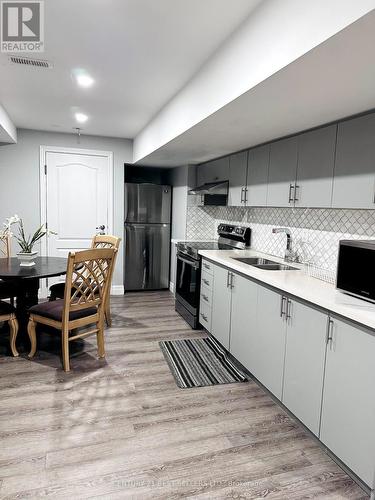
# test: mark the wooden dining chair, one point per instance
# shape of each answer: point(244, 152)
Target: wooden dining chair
point(98, 241)
point(88, 280)
point(7, 314)
point(7, 290)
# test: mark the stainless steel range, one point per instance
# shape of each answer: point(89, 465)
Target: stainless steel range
point(188, 274)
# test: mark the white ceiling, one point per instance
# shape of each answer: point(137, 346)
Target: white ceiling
point(140, 53)
point(332, 81)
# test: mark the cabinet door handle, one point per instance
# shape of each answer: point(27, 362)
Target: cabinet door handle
point(206, 282)
point(242, 195)
point(228, 279)
point(291, 195)
point(282, 301)
point(296, 186)
point(329, 337)
point(288, 308)
point(245, 192)
point(231, 280)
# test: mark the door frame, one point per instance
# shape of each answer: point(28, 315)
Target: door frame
point(43, 183)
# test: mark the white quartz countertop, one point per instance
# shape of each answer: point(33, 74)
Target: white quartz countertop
point(298, 284)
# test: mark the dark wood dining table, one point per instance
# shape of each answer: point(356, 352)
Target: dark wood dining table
point(27, 281)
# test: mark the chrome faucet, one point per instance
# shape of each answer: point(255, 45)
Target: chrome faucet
point(290, 254)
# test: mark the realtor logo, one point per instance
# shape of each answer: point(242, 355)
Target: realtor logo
point(22, 26)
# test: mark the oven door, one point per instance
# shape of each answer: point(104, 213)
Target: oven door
point(188, 277)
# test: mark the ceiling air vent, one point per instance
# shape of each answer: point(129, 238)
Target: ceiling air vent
point(28, 61)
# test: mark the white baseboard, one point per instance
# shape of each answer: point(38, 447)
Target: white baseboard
point(117, 290)
point(171, 286)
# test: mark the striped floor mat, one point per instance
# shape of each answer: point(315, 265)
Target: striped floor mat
point(200, 362)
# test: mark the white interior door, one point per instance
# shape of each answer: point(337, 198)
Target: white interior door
point(78, 198)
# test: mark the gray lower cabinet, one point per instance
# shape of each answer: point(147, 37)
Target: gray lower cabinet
point(257, 176)
point(216, 170)
point(243, 329)
point(321, 368)
point(348, 410)
point(237, 179)
point(282, 172)
point(269, 346)
point(304, 362)
point(316, 160)
point(354, 176)
point(221, 305)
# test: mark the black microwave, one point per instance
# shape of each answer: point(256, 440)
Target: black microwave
point(356, 268)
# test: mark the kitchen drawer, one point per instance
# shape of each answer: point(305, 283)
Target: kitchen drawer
point(206, 295)
point(207, 280)
point(207, 267)
point(205, 315)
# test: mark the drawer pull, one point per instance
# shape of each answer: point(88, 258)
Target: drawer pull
point(206, 282)
point(204, 317)
point(205, 298)
point(206, 266)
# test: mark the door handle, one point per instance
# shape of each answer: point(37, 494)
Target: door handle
point(231, 280)
point(100, 229)
point(296, 186)
point(282, 301)
point(291, 195)
point(244, 195)
point(329, 337)
point(288, 308)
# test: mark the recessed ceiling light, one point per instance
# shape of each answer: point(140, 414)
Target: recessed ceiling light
point(83, 78)
point(81, 117)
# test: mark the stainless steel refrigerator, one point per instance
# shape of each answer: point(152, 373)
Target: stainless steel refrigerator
point(147, 236)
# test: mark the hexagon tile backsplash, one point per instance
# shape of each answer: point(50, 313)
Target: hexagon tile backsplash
point(315, 232)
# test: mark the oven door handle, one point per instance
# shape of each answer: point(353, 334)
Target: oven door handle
point(191, 263)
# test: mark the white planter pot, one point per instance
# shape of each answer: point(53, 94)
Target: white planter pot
point(27, 259)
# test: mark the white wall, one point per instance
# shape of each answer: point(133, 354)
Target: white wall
point(19, 176)
point(277, 33)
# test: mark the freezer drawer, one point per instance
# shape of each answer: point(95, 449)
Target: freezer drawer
point(147, 248)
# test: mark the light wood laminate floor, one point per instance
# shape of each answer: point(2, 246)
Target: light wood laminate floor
point(121, 428)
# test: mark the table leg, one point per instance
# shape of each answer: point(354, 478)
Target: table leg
point(27, 296)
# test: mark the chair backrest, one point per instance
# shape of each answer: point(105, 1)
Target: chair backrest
point(88, 277)
point(5, 245)
point(105, 241)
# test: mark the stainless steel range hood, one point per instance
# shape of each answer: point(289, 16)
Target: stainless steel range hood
point(212, 188)
point(212, 193)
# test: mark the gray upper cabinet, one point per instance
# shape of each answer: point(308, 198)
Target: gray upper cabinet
point(237, 179)
point(216, 170)
point(257, 176)
point(282, 172)
point(316, 159)
point(354, 175)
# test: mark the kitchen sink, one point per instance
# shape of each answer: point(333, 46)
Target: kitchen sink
point(266, 264)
